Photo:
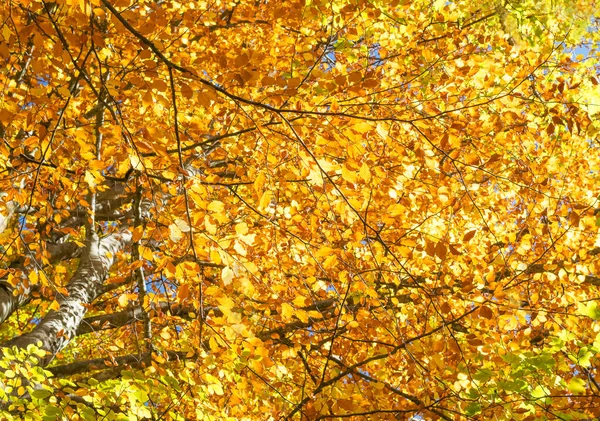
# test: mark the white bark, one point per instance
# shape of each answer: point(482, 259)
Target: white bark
point(14, 296)
point(11, 297)
point(58, 327)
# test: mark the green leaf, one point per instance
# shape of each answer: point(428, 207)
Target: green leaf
point(41, 393)
point(584, 356)
point(483, 375)
point(87, 414)
point(590, 309)
point(539, 392)
point(473, 409)
point(544, 361)
point(576, 385)
point(596, 344)
point(52, 413)
point(511, 358)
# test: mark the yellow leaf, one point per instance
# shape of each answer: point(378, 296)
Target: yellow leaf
point(216, 206)
point(215, 257)
point(216, 389)
point(92, 178)
point(33, 277)
point(175, 233)
point(123, 167)
point(248, 239)
point(183, 291)
point(300, 301)
point(182, 225)
point(238, 247)
point(42, 278)
point(241, 60)
point(247, 288)
point(363, 127)
point(265, 199)
point(365, 173)
point(348, 175)
point(287, 311)
point(324, 251)
point(382, 131)
point(159, 85)
point(210, 227)
point(225, 304)
point(147, 99)
point(241, 228)
point(158, 358)
point(146, 253)
point(135, 162)
point(96, 164)
point(330, 262)
point(251, 267)
point(123, 300)
point(212, 343)
point(226, 275)
point(302, 315)
point(259, 182)
point(137, 234)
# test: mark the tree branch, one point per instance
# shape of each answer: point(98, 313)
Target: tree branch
point(58, 327)
point(102, 363)
point(9, 301)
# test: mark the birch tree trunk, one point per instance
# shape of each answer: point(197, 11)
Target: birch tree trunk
point(58, 327)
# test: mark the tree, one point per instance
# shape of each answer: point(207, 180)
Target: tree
point(299, 210)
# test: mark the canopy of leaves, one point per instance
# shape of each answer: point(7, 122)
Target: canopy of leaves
point(303, 210)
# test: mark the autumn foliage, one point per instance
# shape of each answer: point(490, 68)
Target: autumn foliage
point(301, 210)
